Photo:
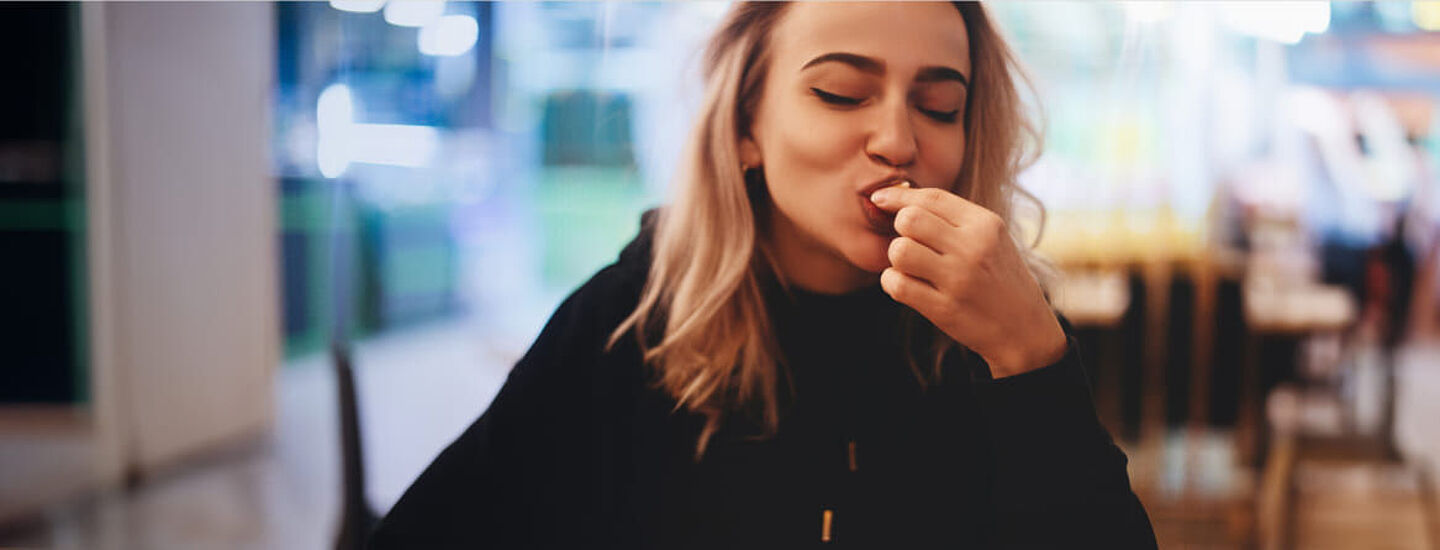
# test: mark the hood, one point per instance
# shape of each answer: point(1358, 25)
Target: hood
point(636, 255)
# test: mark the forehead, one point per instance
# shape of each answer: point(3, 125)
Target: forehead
point(905, 35)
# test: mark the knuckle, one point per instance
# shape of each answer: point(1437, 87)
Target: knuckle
point(991, 229)
point(902, 249)
point(890, 279)
point(994, 222)
point(906, 218)
point(953, 240)
point(900, 287)
point(984, 243)
point(932, 196)
point(905, 246)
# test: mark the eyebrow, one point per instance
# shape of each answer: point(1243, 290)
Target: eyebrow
point(877, 67)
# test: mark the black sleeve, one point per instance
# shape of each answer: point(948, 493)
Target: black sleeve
point(524, 474)
point(1059, 480)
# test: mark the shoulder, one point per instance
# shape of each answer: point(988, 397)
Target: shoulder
point(582, 324)
point(530, 455)
point(613, 292)
point(585, 319)
point(622, 280)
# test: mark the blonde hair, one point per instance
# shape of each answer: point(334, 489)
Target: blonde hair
point(701, 320)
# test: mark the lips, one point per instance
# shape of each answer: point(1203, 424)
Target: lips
point(897, 179)
point(880, 221)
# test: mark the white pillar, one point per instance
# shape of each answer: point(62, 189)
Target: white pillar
point(183, 254)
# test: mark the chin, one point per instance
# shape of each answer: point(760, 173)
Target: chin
point(869, 252)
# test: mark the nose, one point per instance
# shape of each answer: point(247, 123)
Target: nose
point(893, 140)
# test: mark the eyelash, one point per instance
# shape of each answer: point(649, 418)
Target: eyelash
point(947, 117)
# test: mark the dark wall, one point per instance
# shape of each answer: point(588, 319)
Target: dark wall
point(41, 207)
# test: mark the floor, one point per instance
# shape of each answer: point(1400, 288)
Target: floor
point(418, 389)
point(1338, 503)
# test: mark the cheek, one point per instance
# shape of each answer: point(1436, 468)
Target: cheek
point(805, 160)
point(945, 156)
point(814, 145)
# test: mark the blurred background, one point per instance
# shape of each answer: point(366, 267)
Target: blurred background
point(263, 261)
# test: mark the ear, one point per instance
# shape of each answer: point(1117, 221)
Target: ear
point(750, 152)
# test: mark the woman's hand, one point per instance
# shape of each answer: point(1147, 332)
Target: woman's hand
point(954, 262)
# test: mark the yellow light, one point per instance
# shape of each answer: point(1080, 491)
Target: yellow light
point(1426, 15)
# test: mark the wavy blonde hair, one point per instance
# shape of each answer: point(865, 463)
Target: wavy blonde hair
point(701, 320)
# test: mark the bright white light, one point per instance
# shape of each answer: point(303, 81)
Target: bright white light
point(358, 6)
point(342, 141)
point(394, 144)
point(335, 120)
point(1284, 22)
point(1148, 12)
point(413, 13)
point(449, 35)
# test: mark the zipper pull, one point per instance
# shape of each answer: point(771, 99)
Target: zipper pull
point(826, 518)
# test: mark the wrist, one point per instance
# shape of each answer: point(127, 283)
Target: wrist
point(1043, 352)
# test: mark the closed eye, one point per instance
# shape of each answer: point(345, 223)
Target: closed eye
point(941, 116)
point(835, 99)
point(949, 116)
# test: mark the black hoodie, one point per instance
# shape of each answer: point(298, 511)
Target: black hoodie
point(580, 450)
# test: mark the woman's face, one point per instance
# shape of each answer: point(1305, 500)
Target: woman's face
point(855, 94)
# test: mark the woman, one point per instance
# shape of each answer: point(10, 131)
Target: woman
point(829, 338)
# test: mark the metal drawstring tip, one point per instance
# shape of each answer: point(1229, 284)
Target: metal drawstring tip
point(826, 518)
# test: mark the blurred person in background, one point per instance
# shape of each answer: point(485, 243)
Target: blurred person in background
point(830, 336)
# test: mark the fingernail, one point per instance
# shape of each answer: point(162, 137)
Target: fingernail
point(881, 195)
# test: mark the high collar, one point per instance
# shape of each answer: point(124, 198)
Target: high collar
point(863, 306)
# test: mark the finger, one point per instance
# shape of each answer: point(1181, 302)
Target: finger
point(917, 260)
point(948, 206)
point(927, 228)
point(915, 293)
